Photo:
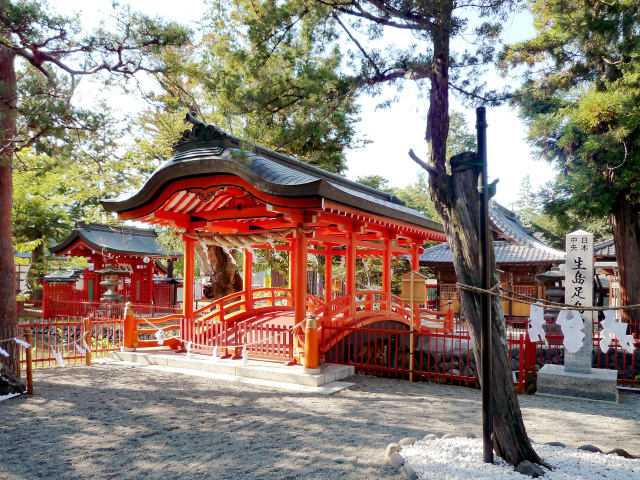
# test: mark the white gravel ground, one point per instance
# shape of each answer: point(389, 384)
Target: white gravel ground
point(461, 459)
point(118, 422)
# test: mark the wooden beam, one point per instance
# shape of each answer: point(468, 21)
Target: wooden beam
point(235, 213)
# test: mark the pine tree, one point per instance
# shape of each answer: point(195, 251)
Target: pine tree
point(45, 55)
point(581, 99)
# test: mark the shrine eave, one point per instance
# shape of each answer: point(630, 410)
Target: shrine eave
point(269, 175)
point(126, 241)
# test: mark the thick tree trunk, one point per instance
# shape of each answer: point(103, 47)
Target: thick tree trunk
point(457, 201)
point(626, 234)
point(8, 313)
point(219, 270)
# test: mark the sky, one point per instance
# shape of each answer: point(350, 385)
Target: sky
point(391, 131)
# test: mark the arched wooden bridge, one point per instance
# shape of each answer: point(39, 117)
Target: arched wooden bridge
point(264, 319)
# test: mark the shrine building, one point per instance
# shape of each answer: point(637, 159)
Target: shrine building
point(220, 190)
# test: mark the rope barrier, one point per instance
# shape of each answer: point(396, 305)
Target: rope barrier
point(542, 301)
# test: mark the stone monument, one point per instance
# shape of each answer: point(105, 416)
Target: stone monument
point(576, 378)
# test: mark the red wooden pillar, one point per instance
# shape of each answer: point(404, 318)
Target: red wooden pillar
point(386, 269)
point(187, 292)
point(328, 275)
point(350, 265)
point(299, 284)
point(247, 283)
point(292, 262)
point(415, 257)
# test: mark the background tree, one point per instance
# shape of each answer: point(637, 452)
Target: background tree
point(581, 99)
point(283, 91)
point(374, 60)
point(45, 55)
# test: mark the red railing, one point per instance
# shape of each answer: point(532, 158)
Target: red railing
point(104, 309)
point(66, 335)
point(384, 349)
point(274, 342)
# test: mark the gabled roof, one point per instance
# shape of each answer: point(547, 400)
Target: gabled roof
point(606, 248)
point(517, 246)
point(63, 275)
point(115, 240)
point(207, 151)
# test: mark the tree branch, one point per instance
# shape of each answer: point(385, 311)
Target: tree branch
point(430, 170)
point(357, 43)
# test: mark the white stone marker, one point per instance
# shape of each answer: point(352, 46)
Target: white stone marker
point(578, 286)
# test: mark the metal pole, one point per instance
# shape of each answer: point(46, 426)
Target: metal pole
point(485, 255)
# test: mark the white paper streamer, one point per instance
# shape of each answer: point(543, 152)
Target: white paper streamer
point(57, 354)
point(4, 352)
point(81, 350)
point(536, 317)
point(189, 348)
point(245, 355)
point(160, 337)
point(613, 329)
point(215, 354)
point(21, 342)
point(572, 325)
point(85, 346)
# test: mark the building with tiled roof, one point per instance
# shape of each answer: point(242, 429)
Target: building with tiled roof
point(605, 250)
point(519, 257)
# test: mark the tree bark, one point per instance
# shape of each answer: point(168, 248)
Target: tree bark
point(219, 270)
point(625, 221)
point(458, 203)
point(8, 312)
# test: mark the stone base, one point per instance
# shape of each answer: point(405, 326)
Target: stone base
point(600, 384)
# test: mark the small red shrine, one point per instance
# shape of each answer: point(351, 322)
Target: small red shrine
point(220, 191)
point(134, 251)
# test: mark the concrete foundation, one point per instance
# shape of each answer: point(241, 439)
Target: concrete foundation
point(600, 384)
point(277, 372)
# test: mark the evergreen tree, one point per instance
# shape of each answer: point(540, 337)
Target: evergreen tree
point(432, 59)
point(581, 98)
point(42, 57)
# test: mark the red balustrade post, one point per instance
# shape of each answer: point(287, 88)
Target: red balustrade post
point(130, 340)
point(87, 340)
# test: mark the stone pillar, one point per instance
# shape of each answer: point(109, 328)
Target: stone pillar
point(578, 285)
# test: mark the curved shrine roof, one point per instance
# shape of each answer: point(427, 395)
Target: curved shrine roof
point(275, 175)
point(115, 240)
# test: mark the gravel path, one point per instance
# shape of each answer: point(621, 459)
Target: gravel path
point(120, 422)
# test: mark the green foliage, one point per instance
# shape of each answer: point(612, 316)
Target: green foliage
point(460, 139)
point(375, 181)
point(417, 196)
point(581, 98)
point(280, 89)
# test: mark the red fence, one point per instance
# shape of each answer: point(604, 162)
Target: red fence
point(385, 349)
point(66, 335)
